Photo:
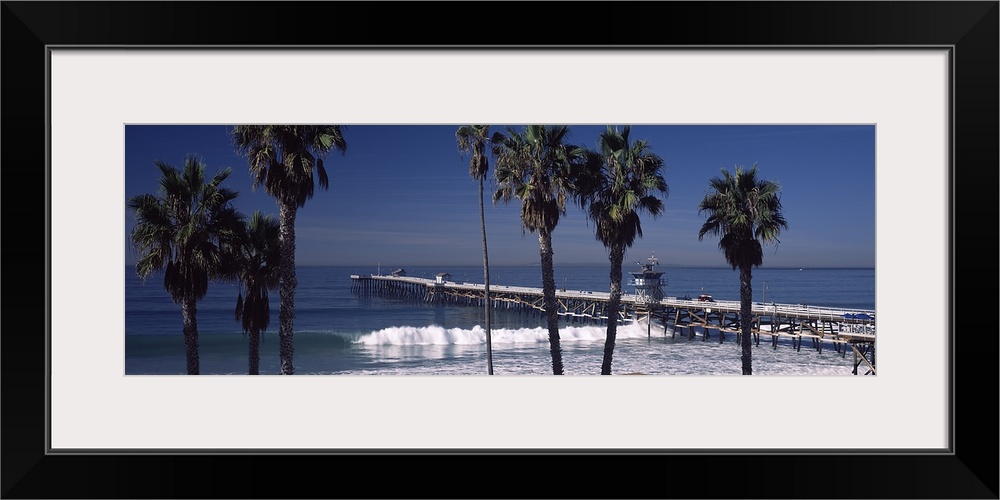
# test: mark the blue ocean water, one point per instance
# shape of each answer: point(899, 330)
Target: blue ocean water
point(338, 332)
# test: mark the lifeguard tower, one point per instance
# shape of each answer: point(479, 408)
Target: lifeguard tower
point(648, 290)
point(648, 283)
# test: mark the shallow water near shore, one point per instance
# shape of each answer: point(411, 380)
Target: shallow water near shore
point(338, 332)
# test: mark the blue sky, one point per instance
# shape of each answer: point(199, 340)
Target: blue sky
point(402, 195)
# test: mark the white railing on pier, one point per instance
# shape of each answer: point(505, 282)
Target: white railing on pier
point(757, 308)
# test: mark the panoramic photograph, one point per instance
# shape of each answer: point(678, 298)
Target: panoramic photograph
point(509, 249)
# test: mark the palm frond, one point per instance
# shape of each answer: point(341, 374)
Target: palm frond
point(474, 139)
point(182, 230)
point(284, 159)
point(746, 211)
point(627, 180)
point(260, 258)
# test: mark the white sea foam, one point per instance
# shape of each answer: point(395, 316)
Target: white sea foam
point(436, 335)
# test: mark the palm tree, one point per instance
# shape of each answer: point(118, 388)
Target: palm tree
point(746, 212)
point(257, 261)
point(284, 159)
point(474, 138)
point(537, 167)
point(183, 232)
point(627, 181)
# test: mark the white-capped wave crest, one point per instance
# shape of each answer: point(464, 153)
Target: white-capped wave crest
point(437, 335)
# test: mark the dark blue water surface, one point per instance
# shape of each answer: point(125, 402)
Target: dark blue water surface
point(340, 332)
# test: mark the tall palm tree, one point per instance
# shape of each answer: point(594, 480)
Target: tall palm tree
point(746, 212)
point(257, 261)
point(284, 159)
point(183, 232)
point(474, 139)
point(538, 167)
point(627, 181)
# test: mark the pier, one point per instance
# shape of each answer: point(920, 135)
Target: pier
point(845, 330)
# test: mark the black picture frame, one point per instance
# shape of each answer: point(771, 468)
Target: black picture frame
point(969, 28)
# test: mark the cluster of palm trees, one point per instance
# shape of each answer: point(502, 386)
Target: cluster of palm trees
point(193, 233)
point(539, 167)
point(614, 183)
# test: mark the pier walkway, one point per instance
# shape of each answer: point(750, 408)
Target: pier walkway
point(846, 329)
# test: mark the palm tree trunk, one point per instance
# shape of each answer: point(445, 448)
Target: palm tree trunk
point(746, 297)
point(486, 280)
point(614, 304)
point(549, 292)
point(189, 310)
point(286, 285)
point(254, 368)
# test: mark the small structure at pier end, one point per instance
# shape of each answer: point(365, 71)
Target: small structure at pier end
point(648, 290)
point(648, 283)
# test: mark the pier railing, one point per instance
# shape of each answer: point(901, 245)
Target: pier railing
point(431, 290)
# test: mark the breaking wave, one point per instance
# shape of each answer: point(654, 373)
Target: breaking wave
point(437, 335)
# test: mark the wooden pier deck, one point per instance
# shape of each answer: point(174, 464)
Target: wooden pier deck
point(846, 329)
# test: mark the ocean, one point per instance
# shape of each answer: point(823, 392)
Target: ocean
point(339, 332)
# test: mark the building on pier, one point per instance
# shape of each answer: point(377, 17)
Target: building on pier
point(648, 283)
